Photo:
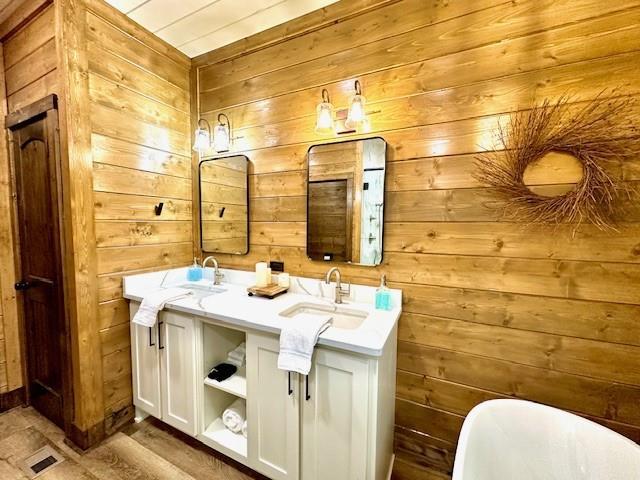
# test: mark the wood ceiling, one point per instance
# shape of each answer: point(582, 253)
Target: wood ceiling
point(198, 26)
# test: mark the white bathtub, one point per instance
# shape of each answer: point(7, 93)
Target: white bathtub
point(519, 440)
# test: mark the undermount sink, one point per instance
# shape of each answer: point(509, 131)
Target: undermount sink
point(201, 291)
point(341, 317)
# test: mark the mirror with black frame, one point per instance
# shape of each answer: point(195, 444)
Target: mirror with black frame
point(345, 201)
point(224, 205)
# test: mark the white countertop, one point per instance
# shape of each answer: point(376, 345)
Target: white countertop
point(236, 308)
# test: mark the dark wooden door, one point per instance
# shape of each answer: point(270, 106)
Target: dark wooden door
point(329, 229)
point(35, 165)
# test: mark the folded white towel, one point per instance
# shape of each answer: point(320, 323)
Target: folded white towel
point(244, 429)
point(234, 417)
point(297, 340)
point(147, 313)
point(237, 355)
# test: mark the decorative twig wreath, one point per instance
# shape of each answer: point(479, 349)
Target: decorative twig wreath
point(599, 135)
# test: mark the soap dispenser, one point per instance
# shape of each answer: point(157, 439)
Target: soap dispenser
point(194, 274)
point(383, 295)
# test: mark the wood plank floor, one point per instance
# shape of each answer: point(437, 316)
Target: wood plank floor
point(146, 451)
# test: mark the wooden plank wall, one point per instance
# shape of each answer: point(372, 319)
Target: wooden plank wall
point(29, 57)
point(491, 310)
point(141, 144)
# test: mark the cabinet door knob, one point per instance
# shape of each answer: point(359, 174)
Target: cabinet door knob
point(289, 384)
point(307, 397)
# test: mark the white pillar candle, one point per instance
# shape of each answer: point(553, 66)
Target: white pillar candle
point(283, 280)
point(263, 277)
point(261, 274)
point(261, 266)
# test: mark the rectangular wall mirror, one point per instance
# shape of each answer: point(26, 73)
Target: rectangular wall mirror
point(345, 201)
point(224, 205)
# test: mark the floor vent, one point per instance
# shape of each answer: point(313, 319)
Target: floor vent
point(42, 461)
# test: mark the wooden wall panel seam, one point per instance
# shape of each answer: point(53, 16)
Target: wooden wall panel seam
point(117, 68)
point(449, 59)
point(618, 425)
point(138, 92)
point(180, 139)
point(27, 47)
point(316, 85)
point(241, 48)
point(170, 70)
point(491, 120)
point(119, 166)
point(366, 40)
point(133, 30)
point(20, 17)
point(150, 147)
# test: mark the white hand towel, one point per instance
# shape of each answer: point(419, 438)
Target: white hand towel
point(237, 355)
point(147, 313)
point(297, 340)
point(234, 417)
point(244, 429)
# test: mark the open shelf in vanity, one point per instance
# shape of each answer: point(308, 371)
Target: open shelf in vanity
point(217, 342)
point(236, 385)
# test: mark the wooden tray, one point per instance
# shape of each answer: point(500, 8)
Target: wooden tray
point(270, 291)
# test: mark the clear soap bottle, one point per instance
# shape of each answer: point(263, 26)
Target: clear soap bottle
point(383, 295)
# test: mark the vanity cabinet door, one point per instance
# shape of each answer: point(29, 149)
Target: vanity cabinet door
point(335, 415)
point(273, 415)
point(177, 360)
point(145, 362)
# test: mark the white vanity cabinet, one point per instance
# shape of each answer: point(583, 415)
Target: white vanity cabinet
point(163, 369)
point(336, 424)
point(273, 402)
point(176, 344)
point(145, 364)
point(335, 417)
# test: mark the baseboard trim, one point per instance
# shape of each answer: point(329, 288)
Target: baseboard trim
point(85, 439)
point(12, 399)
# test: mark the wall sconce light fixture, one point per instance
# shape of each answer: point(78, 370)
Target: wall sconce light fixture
point(202, 139)
point(222, 134)
point(324, 115)
point(357, 114)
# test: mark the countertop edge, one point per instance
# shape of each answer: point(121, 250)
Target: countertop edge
point(370, 352)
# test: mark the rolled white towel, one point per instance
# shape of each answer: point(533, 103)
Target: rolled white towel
point(234, 417)
point(244, 429)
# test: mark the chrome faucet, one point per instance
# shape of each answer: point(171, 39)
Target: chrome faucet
point(340, 292)
point(217, 276)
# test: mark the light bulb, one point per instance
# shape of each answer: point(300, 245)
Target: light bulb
point(324, 123)
point(221, 138)
point(324, 115)
point(357, 114)
point(202, 140)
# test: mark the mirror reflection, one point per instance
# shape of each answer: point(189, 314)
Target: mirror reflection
point(345, 201)
point(224, 205)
